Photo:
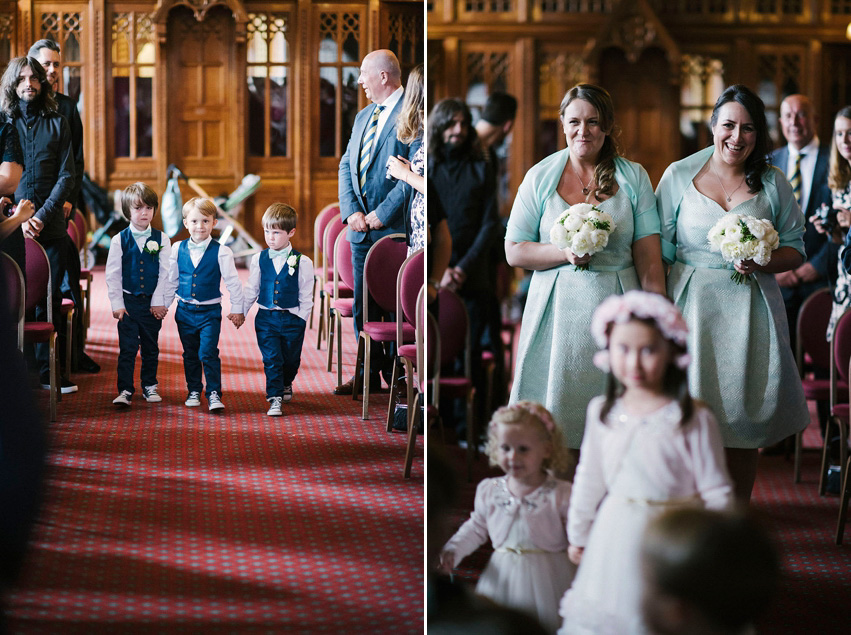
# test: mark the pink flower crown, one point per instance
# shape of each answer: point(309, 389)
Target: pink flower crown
point(533, 408)
point(619, 309)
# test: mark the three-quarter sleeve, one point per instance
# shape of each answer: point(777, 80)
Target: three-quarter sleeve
point(10, 145)
point(525, 219)
point(789, 221)
point(644, 211)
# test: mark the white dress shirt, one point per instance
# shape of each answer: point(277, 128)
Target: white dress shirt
point(808, 168)
point(114, 271)
point(305, 284)
point(226, 266)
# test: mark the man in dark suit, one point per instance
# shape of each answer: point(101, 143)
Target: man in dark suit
point(47, 53)
point(805, 162)
point(371, 204)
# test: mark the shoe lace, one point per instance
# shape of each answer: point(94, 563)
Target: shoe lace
point(275, 401)
point(194, 394)
point(214, 396)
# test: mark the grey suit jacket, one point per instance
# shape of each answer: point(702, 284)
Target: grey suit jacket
point(386, 197)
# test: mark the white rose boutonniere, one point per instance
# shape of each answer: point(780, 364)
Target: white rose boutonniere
point(152, 247)
point(292, 263)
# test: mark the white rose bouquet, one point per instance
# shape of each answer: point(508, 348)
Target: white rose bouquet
point(584, 228)
point(739, 237)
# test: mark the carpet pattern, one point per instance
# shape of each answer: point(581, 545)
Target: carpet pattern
point(167, 519)
point(816, 574)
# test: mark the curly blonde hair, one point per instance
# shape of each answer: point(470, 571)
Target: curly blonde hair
point(533, 415)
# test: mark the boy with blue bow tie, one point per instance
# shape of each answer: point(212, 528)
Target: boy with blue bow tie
point(280, 280)
point(136, 269)
point(198, 266)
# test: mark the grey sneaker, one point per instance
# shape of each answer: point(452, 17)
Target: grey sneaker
point(194, 399)
point(274, 407)
point(215, 402)
point(150, 394)
point(123, 398)
point(288, 393)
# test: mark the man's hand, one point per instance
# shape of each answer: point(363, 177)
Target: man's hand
point(787, 279)
point(237, 318)
point(119, 314)
point(67, 208)
point(33, 227)
point(373, 221)
point(807, 273)
point(357, 222)
point(159, 312)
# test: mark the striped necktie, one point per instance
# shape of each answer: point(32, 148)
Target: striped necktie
point(366, 146)
point(795, 179)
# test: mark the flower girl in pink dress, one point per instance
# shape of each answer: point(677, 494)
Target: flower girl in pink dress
point(524, 515)
point(647, 447)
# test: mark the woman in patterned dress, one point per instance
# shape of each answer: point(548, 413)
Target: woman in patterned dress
point(743, 365)
point(554, 364)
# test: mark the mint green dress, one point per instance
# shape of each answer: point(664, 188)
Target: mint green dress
point(742, 363)
point(554, 360)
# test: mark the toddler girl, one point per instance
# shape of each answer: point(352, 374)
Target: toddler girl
point(523, 513)
point(647, 448)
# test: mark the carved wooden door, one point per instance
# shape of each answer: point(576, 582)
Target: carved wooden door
point(646, 108)
point(202, 93)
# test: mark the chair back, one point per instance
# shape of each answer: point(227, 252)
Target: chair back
point(82, 226)
point(13, 280)
point(381, 270)
point(38, 284)
point(813, 318)
point(334, 228)
point(74, 234)
point(409, 284)
point(322, 219)
point(454, 328)
point(343, 270)
point(842, 345)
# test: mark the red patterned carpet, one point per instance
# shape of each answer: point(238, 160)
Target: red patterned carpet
point(166, 519)
point(816, 576)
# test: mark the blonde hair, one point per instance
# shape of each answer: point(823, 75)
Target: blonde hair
point(409, 125)
point(280, 216)
point(203, 205)
point(137, 195)
point(532, 415)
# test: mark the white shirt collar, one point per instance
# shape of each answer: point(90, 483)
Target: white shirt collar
point(392, 99)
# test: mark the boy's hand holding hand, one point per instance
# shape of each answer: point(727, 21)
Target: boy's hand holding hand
point(120, 313)
point(575, 554)
point(238, 319)
point(159, 312)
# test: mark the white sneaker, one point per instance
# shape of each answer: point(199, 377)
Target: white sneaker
point(274, 407)
point(123, 398)
point(150, 394)
point(194, 399)
point(215, 402)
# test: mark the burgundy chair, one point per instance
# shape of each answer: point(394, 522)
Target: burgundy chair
point(454, 329)
point(421, 358)
point(839, 408)
point(812, 353)
point(85, 272)
point(319, 224)
point(340, 307)
point(38, 290)
point(843, 500)
point(334, 228)
point(409, 284)
point(380, 271)
point(15, 293)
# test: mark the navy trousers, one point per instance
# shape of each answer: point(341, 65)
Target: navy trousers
point(138, 330)
point(280, 336)
point(199, 326)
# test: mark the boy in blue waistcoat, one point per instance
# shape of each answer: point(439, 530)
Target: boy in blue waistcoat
point(136, 270)
point(280, 280)
point(198, 266)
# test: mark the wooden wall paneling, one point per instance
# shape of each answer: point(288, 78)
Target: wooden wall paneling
point(522, 136)
point(95, 127)
point(8, 31)
point(303, 124)
point(25, 27)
